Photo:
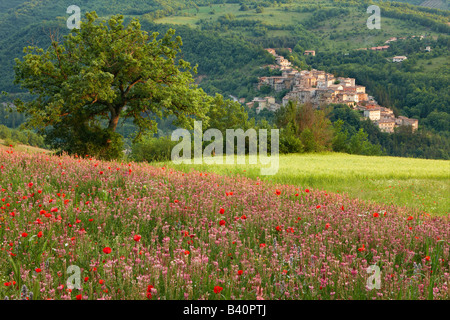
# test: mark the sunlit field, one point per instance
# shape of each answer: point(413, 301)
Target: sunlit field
point(138, 231)
point(415, 183)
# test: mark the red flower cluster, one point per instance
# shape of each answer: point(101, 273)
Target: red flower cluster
point(149, 291)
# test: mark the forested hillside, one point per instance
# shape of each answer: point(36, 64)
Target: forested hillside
point(226, 40)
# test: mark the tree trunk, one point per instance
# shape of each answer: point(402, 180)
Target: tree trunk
point(113, 121)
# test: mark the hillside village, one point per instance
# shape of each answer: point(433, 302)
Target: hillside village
point(322, 88)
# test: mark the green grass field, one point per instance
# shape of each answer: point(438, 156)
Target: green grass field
point(436, 63)
point(415, 183)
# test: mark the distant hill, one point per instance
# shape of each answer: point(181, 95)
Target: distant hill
point(225, 38)
point(337, 24)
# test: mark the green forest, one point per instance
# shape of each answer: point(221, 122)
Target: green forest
point(226, 40)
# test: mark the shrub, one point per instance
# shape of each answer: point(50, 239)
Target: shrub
point(8, 142)
point(153, 149)
point(289, 142)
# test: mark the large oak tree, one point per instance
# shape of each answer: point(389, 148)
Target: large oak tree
point(100, 73)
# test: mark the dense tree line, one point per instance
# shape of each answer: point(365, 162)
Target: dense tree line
point(402, 143)
point(27, 137)
point(9, 117)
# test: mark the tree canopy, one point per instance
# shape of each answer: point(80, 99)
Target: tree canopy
point(100, 73)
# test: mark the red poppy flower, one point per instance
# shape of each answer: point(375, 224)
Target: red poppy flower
point(79, 297)
point(361, 249)
point(30, 184)
point(38, 270)
point(376, 215)
point(262, 245)
point(410, 218)
point(222, 222)
point(24, 234)
point(149, 291)
point(107, 250)
point(243, 217)
point(101, 281)
point(278, 228)
point(307, 190)
point(342, 208)
point(217, 289)
point(427, 258)
point(137, 237)
point(86, 279)
point(240, 272)
point(186, 252)
point(222, 211)
point(54, 210)
point(318, 207)
point(277, 192)
point(327, 226)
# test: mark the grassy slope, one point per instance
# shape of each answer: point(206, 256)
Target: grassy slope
point(23, 148)
point(415, 183)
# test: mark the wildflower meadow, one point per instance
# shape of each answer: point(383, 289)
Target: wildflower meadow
point(141, 232)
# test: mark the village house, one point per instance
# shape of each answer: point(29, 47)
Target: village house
point(428, 48)
point(263, 103)
point(348, 82)
point(386, 125)
point(404, 121)
point(271, 51)
point(310, 53)
point(386, 113)
point(391, 40)
point(373, 114)
point(381, 48)
point(399, 58)
point(282, 61)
